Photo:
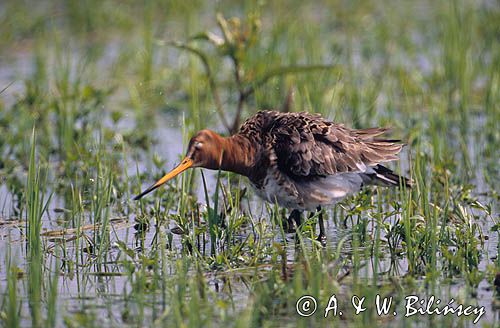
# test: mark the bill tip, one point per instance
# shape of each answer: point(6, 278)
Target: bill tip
point(137, 197)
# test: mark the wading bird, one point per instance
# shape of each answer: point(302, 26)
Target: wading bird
point(300, 161)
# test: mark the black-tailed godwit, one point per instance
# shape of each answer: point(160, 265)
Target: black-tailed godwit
point(300, 161)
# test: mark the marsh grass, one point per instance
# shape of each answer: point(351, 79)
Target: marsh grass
point(203, 251)
point(12, 313)
point(35, 207)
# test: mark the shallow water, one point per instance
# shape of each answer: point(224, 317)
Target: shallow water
point(102, 288)
point(105, 288)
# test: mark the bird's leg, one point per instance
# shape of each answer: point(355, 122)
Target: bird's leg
point(298, 218)
point(294, 216)
point(321, 223)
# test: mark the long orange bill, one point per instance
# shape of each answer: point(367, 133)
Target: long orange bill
point(184, 165)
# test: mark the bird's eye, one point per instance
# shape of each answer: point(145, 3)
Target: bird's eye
point(198, 145)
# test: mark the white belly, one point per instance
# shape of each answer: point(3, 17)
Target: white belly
point(308, 195)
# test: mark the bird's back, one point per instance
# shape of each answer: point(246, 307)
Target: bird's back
point(299, 150)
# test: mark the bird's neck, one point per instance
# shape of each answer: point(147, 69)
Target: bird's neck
point(238, 155)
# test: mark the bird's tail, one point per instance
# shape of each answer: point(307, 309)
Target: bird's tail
point(386, 177)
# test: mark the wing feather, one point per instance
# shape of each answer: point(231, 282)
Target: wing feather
point(307, 145)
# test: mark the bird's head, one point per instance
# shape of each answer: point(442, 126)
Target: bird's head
point(204, 150)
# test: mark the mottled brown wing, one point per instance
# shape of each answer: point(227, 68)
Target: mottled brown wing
point(256, 127)
point(307, 145)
